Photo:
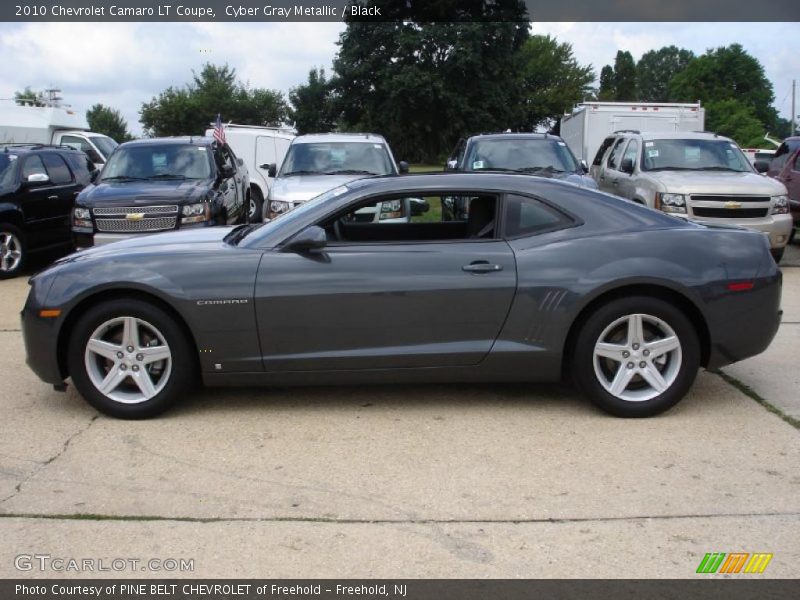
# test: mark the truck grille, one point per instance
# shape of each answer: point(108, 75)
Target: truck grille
point(730, 213)
point(706, 198)
point(115, 211)
point(129, 226)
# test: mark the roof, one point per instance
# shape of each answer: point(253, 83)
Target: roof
point(676, 135)
point(197, 140)
point(515, 136)
point(22, 148)
point(337, 137)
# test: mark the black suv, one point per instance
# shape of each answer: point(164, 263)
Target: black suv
point(38, 186)
point(162, 184)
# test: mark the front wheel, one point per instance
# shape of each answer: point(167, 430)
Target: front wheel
point(255, 205)
point(12, 251)
point(129, 359)
point(636, 357)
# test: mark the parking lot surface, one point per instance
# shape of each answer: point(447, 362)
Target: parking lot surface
point(395, 481)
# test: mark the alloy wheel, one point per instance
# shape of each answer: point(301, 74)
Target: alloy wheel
point(10, 251)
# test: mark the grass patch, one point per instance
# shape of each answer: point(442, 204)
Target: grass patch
point(425, 168)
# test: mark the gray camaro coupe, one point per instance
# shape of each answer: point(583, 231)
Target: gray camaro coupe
point(541, 280)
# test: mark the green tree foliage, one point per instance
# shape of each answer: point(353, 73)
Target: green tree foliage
point(607, 92)
point(552, 81)
point(422, 85)
point(28, 96)
point(108, 121)
point(312, 104)
point(624, 77)
point(727, 73)
point(656, 69)
point(736, 120)
point(215, 90)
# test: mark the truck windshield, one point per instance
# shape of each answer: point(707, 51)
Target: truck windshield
point(694, 155)
point(178, 161)
point(337, 158)
point(105, 144)
point(525, 155)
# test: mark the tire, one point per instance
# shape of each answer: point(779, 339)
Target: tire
point(256, 204)
point(596, 369)
point(163, 355)
point(777, 254)
point(13, 251)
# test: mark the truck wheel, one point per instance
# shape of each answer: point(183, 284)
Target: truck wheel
point(636, 356)
point(255, 205)
point(13, 251)
point(129, 359)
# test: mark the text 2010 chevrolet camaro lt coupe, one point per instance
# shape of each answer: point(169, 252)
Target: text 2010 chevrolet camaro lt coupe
point(541, 279)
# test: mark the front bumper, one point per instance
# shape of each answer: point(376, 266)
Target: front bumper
point(40, 336)
point(777, 227)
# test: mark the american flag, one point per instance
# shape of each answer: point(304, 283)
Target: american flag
point(219, 131)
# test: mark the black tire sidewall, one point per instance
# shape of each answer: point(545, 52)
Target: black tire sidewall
point(182, 375)
point(583, 355)
point(255, 198)
point(15, 231)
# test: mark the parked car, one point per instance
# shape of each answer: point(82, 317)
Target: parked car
point(258, 147)
point(755, 155)
point(38, 185)
point(161, 184)
point(543, 277)
point(773, 167)
point(702, 177)
point(319, 162)
point(789, 175)
point(539, 154)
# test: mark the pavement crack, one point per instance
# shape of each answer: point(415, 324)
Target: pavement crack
point(50, 460)
point(752, 394)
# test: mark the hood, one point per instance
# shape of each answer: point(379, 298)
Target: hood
point(144, 193)
point(716, 182)
point(299, 188)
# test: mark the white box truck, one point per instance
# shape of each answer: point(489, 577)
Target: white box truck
point(258, 147)
point(590, 122)
point(58, 125)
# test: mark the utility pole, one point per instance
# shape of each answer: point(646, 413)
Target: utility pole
point(794, 111)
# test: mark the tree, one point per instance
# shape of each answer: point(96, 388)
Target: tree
point(28, 96)
point(108, 121)
point(311, 104)
point(607, 91)
point(424, 84)
point(624, 77)
point(727, 73)
point(736, 120)
point(215, 90)
point(552, 80)
point(656, 69)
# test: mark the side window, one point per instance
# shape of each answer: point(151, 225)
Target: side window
point(33, 165)
point(81, 166)
point(631, 151)
point(598, 158)
point(224, 159)
point(57, 169)
point(526, 216)
point(796, 166)
point(616, 154)
point(781, 154)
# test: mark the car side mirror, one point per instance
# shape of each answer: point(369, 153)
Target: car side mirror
point(584, 166)
point(309, 239)
point(270, 168)
point(627, 165)
point(419, 207)
point(762, 166)
point(403, 166)
point(226, 171)
point(451, 165)
point(35, 179)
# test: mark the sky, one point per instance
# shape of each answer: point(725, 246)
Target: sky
point(124, 64)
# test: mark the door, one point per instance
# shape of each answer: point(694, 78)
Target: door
point(625, 183)
point(402, 302)
point(607, 181)
point(47, 208)
point(791, 176)
point(229, 186)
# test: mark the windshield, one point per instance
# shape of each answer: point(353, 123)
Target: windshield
point(105, 144)
point(694, 155)
point(178, 161)
point(334, 158)
point(7, 162)
point(533, 154)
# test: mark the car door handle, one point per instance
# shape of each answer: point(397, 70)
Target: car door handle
point(52, 197)
point(615, 182)
point(481, 267)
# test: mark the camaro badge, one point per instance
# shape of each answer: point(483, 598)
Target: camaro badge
point(134, 216)
point(733, 204)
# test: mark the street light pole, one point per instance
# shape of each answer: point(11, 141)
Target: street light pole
point(794, 111)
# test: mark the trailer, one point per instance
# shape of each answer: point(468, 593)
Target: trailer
point(591, 122)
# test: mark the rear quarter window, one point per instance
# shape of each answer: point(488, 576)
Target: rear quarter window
point(528, 216)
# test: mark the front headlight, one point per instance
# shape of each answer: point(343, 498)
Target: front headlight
point(391, 209)
point(672, 203)
point(195, 213)
point(780, 205)
point(277, 207)
point(82, 218)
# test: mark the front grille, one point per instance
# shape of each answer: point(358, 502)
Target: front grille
point(132, 226)
point(114, 211)
point(730, 213)
point(707, 198)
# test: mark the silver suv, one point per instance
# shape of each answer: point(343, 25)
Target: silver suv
point(703, 177)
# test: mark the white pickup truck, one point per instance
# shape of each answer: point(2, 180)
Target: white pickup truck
point(56, 125)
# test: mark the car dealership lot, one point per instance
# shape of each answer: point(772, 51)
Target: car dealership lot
point(438, 481)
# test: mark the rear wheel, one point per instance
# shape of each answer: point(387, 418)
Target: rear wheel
point(129, 359)
point(255, 205)
point(636, 357)
point(13, 251)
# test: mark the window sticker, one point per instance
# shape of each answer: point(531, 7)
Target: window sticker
point(648, 144)
point(378, 146)
point(478, 164)
point(653, 153)
point(561, 144)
